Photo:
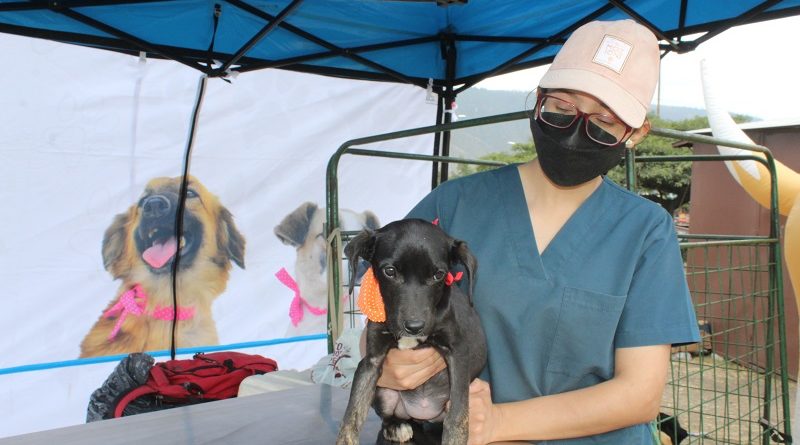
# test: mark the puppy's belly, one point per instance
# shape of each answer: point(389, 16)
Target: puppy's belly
point(427, 402)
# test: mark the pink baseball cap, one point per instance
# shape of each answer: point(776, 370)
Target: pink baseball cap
point(616, 62)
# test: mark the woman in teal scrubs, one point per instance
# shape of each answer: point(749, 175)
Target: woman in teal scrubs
point(580, 285)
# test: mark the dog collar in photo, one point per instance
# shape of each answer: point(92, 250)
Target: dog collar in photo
point(299, 305)
point(134, 302)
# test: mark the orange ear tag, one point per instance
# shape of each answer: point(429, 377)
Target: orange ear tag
point(370, 301)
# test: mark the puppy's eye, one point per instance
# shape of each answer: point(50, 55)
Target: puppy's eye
point(191, 193)
point(390, 271)
point(439, 275)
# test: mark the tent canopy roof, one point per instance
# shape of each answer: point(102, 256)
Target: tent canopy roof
point(453, 42)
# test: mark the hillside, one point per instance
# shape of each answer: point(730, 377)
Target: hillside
point(478, 141)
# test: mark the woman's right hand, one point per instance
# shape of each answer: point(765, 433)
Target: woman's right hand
point(409, 368)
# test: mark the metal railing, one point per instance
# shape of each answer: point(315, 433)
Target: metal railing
point(746, 399)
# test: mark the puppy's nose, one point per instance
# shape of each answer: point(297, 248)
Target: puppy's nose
point(155, 206)
point(414, 327)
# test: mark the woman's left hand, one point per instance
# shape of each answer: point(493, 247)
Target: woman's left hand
point(482, 418)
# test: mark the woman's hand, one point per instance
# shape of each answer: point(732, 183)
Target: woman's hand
point(409, 368)
point(483, 417)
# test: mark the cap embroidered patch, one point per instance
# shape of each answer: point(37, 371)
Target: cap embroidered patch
point(612, 53)
point(370, 300)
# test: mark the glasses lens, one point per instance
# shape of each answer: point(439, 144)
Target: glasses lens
point(558, 113)
point(606, 130)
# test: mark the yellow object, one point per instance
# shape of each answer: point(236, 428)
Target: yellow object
point(370, 300)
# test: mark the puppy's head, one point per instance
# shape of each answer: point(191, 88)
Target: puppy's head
point(146, 235)
point(410, 260)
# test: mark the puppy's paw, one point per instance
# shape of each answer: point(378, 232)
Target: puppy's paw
point(347, 436)
point(398, 432)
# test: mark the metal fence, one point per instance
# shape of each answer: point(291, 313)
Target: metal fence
point(731, 388)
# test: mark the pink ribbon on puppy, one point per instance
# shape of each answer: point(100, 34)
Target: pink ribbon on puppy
point(450, 278)
point(298, 303)
point(132, 301)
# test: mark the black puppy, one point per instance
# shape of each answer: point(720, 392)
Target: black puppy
point(411, 260)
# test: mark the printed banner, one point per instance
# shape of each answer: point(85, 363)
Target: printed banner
point(90, 161)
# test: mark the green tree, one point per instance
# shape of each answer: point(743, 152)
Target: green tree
point(667, 183)
point(520, 152)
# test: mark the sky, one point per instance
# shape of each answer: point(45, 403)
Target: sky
point(756, 67)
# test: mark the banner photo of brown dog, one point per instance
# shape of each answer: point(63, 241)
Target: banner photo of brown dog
point(140, 248)
point(302, 228)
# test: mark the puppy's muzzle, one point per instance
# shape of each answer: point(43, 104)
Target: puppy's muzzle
point(414, 327)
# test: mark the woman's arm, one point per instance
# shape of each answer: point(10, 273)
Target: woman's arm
point(631, 397)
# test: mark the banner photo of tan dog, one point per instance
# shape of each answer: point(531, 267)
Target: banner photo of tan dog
point(303, 229)
point(140, 249)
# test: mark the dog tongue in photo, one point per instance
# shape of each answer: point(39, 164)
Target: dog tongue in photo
point(158, 254)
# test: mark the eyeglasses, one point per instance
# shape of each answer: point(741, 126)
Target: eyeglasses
point(604, 129)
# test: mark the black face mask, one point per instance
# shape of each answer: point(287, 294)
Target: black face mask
point(568, 157)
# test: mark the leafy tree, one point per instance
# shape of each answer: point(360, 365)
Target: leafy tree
point(520, 152)
point(667, 183)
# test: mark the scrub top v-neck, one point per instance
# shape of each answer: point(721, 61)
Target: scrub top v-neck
point(564, 242)
point(612, 277)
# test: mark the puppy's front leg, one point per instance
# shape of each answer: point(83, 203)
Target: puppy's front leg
point(456, 427)
point(362, 391)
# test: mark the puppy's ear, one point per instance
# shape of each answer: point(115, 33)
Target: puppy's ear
point(114, 242)
point(361, 246)
point(293, 229)
point(463, 255)
point(229, 239)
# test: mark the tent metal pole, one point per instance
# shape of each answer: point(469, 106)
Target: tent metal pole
point(450, 54)
point(500, 69)
point(649, 25)
point(335, 50)
point(735, 21)
point(141, 44)
point(39, 5)
point(271, 25)
point(437, 140)
point(352, 50)
point(682, 17)
point(449, 98)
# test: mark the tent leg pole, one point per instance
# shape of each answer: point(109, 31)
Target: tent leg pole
point(449, 99)
point(449, 53)
point(437, 140)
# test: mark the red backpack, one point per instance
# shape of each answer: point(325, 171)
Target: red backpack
point(203, 378)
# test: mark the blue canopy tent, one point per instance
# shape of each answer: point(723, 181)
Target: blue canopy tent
point(446, 45)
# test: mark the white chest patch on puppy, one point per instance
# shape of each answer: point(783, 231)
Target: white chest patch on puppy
point(401, 433)
point(408, 342)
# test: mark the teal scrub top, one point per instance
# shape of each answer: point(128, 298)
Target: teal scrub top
point(611, 278)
